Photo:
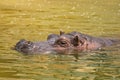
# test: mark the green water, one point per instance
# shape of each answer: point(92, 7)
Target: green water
point(35, 19)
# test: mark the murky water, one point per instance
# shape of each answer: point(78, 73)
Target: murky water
point(35, 19)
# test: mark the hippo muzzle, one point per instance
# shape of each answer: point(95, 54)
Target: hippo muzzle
point(28, 47)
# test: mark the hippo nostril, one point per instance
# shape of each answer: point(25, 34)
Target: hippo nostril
point(28, 43)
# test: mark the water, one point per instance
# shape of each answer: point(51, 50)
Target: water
point(35, 19)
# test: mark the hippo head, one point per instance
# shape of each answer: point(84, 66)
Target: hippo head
point(60, 44)
point(68, 44)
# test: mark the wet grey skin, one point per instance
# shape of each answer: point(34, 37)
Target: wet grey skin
point(68, 43)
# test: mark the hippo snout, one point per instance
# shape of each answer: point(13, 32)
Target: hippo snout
point(24, 46)
point(28, 47)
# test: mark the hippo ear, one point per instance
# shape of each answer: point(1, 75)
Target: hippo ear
point(78, 41)
point(61, 32)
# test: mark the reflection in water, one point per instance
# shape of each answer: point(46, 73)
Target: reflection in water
point(35, 19)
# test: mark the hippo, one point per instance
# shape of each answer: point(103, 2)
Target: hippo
point(63, 43)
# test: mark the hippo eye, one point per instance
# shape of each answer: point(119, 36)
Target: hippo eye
point(63, 43)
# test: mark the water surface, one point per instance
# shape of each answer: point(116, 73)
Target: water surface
point(35, 19)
